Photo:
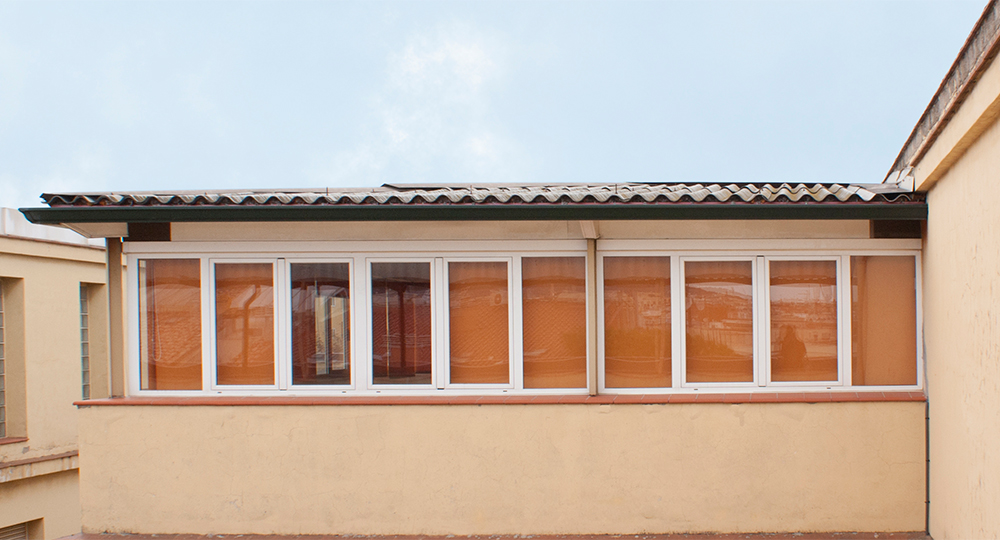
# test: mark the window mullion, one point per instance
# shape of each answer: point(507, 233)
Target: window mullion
point(282, 324)
point(761, 322)
point(676, 321)
point(517, 322)
point(207, 325)
point(439, 320)
point(844, 319)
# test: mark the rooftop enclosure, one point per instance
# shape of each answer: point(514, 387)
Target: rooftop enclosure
point(510, 359)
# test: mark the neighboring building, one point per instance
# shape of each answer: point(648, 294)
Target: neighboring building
point(53, 341)
point(509, 359)
point(954, 156)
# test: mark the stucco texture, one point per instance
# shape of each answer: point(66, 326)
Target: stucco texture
point(516, 469)
point(962, 336)
point(53, 498)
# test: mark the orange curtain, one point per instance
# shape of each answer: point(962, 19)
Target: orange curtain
point(479, 326)
point(803, 298)
point(401, 323)
point(637, 322)
point(170, 324)
point(883, 320)
point(244, 323)
point(554, 294)
point(321, 338)
point(719, 316)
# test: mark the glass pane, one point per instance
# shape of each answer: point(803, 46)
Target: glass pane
point(321, 322)
point(479, 325)
point(883, 321)
point(244, 319)
point(637, 322)
point(401, 323)
point(803, 320)
point(170, 324)
point(719, 316)
point(554, 292)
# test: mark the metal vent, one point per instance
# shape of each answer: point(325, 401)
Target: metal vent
point(14, 532)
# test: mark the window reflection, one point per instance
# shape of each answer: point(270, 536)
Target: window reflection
point(719, 315)
point(637, 322)
point(803, 307)
point(401, 323)
point(244, 312)
point(321, 340)
point(170, 324)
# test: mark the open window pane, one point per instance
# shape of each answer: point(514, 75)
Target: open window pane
point(803, 320)
point(244, 323)
point(479, 323)
point(719, 321)
point(321, 322)
point(401, 323)
point(883, 320)
point(554, 292)
point(637, 322)
point(169, 324)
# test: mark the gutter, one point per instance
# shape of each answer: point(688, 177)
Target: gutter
point(915, 210)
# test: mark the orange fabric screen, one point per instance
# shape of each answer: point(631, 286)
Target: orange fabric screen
point(554, 293)
point(883, 320)
point(244, 323)
point(803, 320)
point(321, 322)
point(170, 324)
point(479, 322)
point(719, 316)
point(637, 322)
point(401, 323)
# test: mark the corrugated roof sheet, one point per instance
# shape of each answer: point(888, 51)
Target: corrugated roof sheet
point(488, 194)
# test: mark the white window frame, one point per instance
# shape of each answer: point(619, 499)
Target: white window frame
point(359, 255)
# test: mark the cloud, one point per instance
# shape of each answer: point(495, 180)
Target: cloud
point(433, 119)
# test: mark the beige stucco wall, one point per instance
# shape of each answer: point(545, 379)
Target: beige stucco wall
point(466, 469)
point(41, 283)
point(52, 498)
point(516, 230)
point(962, 335)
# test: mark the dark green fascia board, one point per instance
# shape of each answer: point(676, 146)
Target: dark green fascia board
point(533, 212)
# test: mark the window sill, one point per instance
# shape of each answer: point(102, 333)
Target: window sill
point(640, 399)
point(12, 440)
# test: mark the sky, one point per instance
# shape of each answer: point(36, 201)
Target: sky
point(139, 96)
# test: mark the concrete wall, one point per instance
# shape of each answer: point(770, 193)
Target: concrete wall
point(467, 469)
point(41, 281)
point(962, 336)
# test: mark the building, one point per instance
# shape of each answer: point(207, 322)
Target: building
point(53, 343)
point(953, 155)
point(505, 359)
point(618, 358)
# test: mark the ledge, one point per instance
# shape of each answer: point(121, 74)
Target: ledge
point(38, 466)
point(621, 399)
point(12, 440)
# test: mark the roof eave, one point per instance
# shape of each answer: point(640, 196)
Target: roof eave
point(915, 210)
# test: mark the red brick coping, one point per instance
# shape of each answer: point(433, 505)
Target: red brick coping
point(710, 536)
point(641, 399)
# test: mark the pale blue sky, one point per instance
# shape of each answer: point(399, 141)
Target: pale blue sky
point(103, 96)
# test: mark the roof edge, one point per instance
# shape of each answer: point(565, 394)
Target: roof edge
point(914, 210)
point(976, 54)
